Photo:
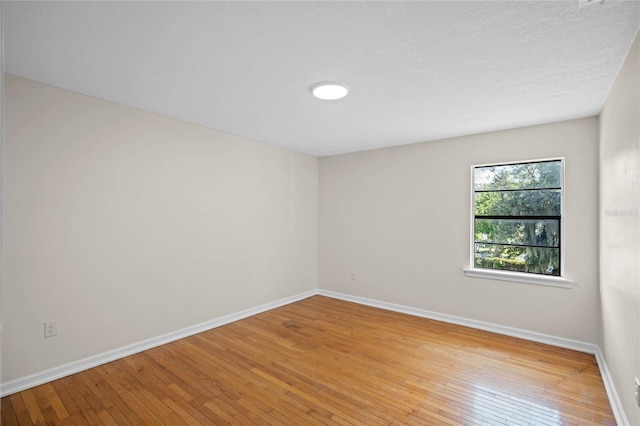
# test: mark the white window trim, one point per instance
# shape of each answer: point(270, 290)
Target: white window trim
point(520, 277)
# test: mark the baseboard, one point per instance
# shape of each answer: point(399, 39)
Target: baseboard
point(612, 394)
point(27, 382)
point(480, 325)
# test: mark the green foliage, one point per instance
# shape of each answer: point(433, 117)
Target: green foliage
point(518, 203)
point(519, 176)
point(501, 263)
point(509, 192)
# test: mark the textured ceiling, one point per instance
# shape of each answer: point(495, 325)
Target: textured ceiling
point(417, 71)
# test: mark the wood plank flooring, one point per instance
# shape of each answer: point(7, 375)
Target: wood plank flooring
point(322, 361)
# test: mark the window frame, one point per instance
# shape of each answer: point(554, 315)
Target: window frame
point(521, 277)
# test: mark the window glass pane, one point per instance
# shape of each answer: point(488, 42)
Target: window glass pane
point(537, 260)
point(546, 174)
point(543, 202)
point(521, 232)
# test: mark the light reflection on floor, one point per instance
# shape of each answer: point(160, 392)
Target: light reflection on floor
point(493, 407)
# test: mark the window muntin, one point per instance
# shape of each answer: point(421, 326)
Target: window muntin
point(518, 217)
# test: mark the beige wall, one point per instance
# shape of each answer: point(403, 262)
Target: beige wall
point(620, 230)
point(1, 173)
point(123, 225)
point(400, 219)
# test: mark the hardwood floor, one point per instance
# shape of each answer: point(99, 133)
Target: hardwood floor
point(323, 361)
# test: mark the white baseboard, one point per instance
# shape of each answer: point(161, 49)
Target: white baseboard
point(612, 394)
point(27, 382)
point(480, 325)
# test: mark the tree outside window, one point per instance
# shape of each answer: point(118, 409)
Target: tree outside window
point(518, 217)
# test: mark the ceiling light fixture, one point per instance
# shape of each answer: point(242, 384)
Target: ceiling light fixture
point(329, 91)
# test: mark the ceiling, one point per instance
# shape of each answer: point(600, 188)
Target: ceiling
point(417, 71)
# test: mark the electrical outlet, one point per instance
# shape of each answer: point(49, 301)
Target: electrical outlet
point(50, 328)
point(637, 392)
point(353, 276)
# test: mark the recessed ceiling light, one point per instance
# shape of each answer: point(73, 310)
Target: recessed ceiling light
point(329, 91)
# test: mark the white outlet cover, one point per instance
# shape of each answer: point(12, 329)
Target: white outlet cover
point(50, 328)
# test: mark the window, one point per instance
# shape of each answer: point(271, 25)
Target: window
point(517, 217)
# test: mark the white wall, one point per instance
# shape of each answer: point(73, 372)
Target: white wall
point(620, 230)
point(1, 172)
point(123, 225)
point(400, 219)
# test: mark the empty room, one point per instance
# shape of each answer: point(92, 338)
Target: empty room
point(320, 212)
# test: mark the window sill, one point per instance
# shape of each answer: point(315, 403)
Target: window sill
point(519, 277)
